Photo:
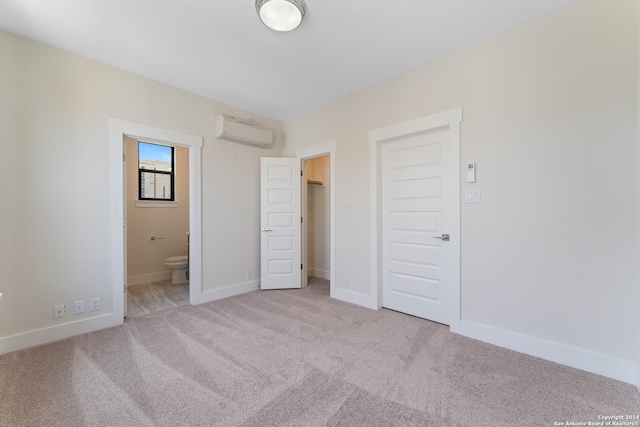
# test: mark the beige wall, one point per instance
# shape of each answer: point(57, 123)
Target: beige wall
point(549, 117)
point(55, 215)
point(145, 257)
point(318, 231)
point(638, 194)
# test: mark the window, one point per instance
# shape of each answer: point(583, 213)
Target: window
point(155, 172)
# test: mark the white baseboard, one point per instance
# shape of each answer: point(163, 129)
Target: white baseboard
point(595, 363)
point(600, 364)
point(226, 292)
point(354, 298)
point(316, 272)
point(108, 320)
point(576, 358)
point(58, 332)
point(148, 278)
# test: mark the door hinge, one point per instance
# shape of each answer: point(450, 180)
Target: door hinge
point(124, 157)
point(300, 172)
point(125, 288)
point(301, 267)
point(124, 222)
point(300, 220)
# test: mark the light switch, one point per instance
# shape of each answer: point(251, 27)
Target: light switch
point(472, 196)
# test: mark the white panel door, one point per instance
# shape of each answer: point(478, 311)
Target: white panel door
point(280, 266)
point(414, 210)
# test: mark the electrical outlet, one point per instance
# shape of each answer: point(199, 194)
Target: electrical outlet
point(248, 274)
point(58, 311)
point(95, 304)
point(78, 307)
point(346, 281)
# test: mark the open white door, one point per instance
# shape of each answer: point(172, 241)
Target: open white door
point(280, 243)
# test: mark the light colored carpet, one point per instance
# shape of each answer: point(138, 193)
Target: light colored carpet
point(293, 358)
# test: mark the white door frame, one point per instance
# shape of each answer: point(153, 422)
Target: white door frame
point(119, 130)
point(448, 119)
point(326, 149)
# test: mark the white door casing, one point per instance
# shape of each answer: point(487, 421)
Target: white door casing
point(125, 229)
point(280, 218)
point(325, 149)
point(403, 225)
point(414, 208)
point(119, 130)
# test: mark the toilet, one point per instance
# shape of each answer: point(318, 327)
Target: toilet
point(178, 266)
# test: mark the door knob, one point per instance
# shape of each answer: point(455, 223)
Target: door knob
point(444, 237)
point(266, 230)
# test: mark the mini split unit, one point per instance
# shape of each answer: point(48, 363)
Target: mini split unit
point(242, 131)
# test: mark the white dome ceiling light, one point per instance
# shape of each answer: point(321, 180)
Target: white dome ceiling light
point(281, 15)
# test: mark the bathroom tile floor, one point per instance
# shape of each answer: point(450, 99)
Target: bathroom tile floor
point(155, 296)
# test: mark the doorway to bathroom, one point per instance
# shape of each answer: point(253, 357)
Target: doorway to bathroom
point(157, 238)
point(119, 131)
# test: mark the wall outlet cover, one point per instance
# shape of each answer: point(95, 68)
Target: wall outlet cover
point(78, 307)
point(58, 311)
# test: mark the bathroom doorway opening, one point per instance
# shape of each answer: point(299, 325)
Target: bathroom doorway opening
point(120, 130)
point(157, 215)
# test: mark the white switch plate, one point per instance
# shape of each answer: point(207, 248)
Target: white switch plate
point(472, 196)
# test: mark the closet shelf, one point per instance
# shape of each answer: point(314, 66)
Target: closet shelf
point(314, 182)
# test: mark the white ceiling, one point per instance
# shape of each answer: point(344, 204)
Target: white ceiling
point(221, 50)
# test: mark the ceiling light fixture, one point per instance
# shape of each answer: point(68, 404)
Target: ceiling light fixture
point(281, 15)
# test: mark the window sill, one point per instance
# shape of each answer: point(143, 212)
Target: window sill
point(154, 204)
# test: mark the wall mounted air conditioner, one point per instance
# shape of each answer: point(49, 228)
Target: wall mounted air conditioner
point(242, 131)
